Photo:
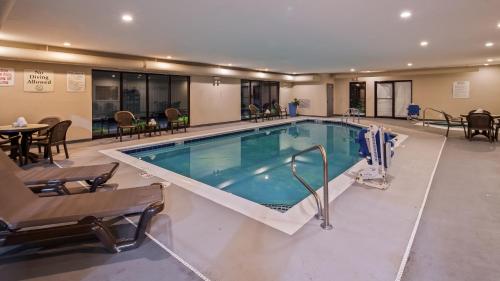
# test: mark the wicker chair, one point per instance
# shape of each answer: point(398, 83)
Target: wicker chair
point(281, 110)
point(480, 124)
point(173, 115)
point(453, 122)
point(255, 113)
point(11, 143)
point(44, 133)
point(56, 136)
point(125, 120)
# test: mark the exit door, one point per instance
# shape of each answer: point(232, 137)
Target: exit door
point(329, 100)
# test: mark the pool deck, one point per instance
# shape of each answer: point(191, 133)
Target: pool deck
point(370, 236)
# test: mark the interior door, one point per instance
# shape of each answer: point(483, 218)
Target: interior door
point(402, 98)
point(329, 100)
point(384, 99)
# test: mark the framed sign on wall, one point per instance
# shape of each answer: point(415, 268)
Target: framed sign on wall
point(461, 89)
point(7, 76)
point(36, 80)
point(75, 82)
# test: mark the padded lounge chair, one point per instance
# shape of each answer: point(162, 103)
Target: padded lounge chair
point(32, 221)
point(53, 179)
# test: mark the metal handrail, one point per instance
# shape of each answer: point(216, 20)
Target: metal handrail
point(425, 111)
point(351, 112)
point(322, 210)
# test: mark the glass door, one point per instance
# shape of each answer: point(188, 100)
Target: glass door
point(134, 94)
point(384, 99)
point(357, 96)
point(392, 98)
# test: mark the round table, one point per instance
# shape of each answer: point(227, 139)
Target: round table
point(26, 133)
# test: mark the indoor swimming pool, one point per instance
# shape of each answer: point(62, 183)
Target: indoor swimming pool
point(255, 164)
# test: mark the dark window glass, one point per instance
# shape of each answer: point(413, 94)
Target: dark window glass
point(245, 99)
point(262, 94)
point(357, 96)
point(179, 93)
point(134, 94)
point(159, 88)
point(105, 101)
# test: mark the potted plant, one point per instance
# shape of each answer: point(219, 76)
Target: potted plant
point(292, 107)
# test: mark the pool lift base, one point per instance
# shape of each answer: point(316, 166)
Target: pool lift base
point(379, 158)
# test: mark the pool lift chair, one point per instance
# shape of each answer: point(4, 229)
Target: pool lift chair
point(377, 147)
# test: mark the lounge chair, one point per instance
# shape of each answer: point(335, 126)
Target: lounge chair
point(56, 136)
point(125, 120)
point(29, 220)
point(54, 179)
point(282, 111)
point(173, 115)
point(453, 122)
point(480, 124)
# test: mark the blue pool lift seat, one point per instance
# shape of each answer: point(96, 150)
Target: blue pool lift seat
point(413, 111)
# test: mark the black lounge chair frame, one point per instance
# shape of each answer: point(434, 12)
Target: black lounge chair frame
point(87, 227)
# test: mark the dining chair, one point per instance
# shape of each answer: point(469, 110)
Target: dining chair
point(56, 136)
point(43, 134)
point(480, 124)
point(173, 115)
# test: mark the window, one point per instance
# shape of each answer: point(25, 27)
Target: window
point(392, 98)
point(145, 95)
point(262, 94)
point(357, 96)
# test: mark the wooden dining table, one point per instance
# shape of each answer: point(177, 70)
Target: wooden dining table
point(26, 133)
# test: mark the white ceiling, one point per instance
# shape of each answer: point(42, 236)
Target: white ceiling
point(287, 36)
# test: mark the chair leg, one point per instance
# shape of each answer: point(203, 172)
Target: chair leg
point(49, 147)
point(121, 133)
point(39, 149)
point(58, 150)
point(66, 150)
point(448, 130)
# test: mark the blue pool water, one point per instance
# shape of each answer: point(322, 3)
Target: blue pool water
point(255, 165)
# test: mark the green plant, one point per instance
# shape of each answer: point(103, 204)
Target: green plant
point(296, 101)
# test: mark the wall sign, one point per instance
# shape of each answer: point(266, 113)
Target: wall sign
point(7, 76)
point(75, 82)
point(36, 80)
point(461, 89)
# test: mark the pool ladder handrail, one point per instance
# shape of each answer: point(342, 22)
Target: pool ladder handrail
point(351, 112)
point(323, 212)
point(424, 120)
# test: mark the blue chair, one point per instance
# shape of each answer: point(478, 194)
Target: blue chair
point(413, 111)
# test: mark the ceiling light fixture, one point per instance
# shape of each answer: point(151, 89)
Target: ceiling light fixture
point(486, 64)
point(169, 57)
point(127, 18)
point(410, 64)
point(229, 64)
point(266, 69)
point(424, 43)
point(498, 25)
point(489, 44)
point(67, 44)
point(294, 73)
point(489, 60)
point(405, 15)
point(352, 69)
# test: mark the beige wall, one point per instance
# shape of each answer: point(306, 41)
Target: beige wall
point(14, 102)
point(214, 104)
point(434, 90)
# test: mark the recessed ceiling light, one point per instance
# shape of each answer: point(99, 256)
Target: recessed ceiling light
point(424, 43)
point(266, 69)
point(127, 18)
point(489, 60)
point(486, 64)
point(352, 69)
point(67, 44)
point(229, 64)
point(294, 73)
point(498, 25)
point(405, 14)
point(489, 44)
point(169, 57)
point(410, 64)
point(113, 76)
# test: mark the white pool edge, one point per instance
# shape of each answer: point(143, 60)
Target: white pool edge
point(288, 222)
